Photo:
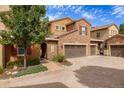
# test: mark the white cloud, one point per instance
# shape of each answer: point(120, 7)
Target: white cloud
point(54, 16)
point(118, 11)
point(78, 10)
point(88, 15)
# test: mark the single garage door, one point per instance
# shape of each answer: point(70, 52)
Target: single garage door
point(93, 49)
point(117, 50)
point(75, 51)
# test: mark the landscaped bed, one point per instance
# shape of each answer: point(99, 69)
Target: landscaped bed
point(61, 59)
point(10, 73)
point(31, 70)
point(16, 69)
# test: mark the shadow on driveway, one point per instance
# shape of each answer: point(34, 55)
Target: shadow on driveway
point(47, 85)
point(100, 77)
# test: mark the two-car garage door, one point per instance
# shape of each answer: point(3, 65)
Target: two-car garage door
point(72, 51)
point(117, 50)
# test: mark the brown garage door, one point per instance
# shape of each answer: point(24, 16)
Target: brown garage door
point(75, 51)
point(93, 50)
point(117, 50)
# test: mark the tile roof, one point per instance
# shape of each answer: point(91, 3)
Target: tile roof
point(102, 27)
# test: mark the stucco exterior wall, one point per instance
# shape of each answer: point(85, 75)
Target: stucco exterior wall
point(10, 56)
point(4, 8)
point(113, 30)
point(1, 56)
point(53, 25)
point(52, 48)
point(117, 40)
point(104, 34)
point(74, 38)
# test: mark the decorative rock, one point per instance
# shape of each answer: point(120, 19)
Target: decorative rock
point(15, 67)
point(15, 72)
point(8, 72)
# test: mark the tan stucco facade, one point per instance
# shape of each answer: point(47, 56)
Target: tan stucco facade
point(60, 23)
point(105, 33)
point(72, 37)
point(115, 40)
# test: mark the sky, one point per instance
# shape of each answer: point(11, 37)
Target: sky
point(95, 14)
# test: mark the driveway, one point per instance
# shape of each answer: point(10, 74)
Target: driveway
point(91, 71)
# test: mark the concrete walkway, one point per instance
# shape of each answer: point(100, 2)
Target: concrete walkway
point(92, 71)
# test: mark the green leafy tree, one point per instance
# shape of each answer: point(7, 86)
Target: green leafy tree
point(121, 29)
point(26, 25)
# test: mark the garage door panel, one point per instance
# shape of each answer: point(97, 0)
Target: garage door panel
point(93, 50)
point(75, 51)
point(117, 50)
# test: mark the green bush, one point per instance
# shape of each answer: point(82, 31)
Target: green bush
point(32, 69)
point(11, 64)
point(1, 70)
point(58, 58)
point(33, 62)
point(20, 63)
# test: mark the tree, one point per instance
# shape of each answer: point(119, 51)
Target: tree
point(121, 29)
point(26, 25)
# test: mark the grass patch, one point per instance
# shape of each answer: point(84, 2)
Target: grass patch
point(30, 70)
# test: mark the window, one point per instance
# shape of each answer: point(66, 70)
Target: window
point(63, 28)
point(83, 30)
point(98, 34)
point(20, 51)
point(57, 27)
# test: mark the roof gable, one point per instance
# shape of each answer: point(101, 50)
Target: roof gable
point(115, 36)
point(60, 19)
point(103, 27)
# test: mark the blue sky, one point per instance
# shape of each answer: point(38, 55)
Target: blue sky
point(95, 14)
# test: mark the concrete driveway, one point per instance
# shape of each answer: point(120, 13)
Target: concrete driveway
point(92, 71)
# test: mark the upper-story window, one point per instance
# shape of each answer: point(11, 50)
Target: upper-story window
point(98, 35)
point(83, 30)
point(63, 28)
point(57, 27)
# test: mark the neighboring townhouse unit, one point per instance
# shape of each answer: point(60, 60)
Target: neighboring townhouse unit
point(3, 9)
point(100, 33)
point(115, 45)
point(104, 32)
point(70, 38)
point(12, 52)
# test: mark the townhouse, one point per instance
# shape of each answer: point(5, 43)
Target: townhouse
point(108, 39)
point(68, 37)
point(71, 38)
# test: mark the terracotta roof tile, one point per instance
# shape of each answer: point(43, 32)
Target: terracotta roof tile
point(102, 27)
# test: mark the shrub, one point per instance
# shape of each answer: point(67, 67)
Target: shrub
point(1, 70)
point(20, 63)
point(32, 69)
point(32, 62)
point(11, 64)
point(58, 58)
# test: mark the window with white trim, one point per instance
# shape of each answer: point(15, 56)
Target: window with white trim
point(98, 34)
point(83, 30)
point(20, 51)
point(57, 27)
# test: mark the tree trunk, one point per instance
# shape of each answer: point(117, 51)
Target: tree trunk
point(25, 57)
